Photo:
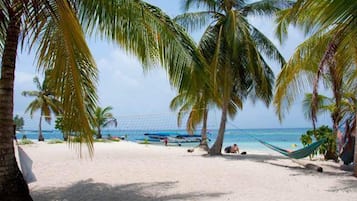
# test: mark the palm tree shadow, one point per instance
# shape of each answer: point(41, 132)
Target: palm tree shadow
point(262, 158)
point(87, 190)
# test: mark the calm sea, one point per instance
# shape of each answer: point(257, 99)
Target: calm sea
point(287, 138)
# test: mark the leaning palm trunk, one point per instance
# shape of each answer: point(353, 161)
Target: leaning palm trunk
point(12, 184)
point(40, 136)
point(355, 155)
point(99, 133)
point(216, 149)
point(204, 143)
point(329, 60)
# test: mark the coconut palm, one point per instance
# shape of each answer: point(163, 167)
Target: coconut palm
point(102, 119)
point(44, 101)
point(234, 49)
point(195, 95)
point(56, 29)
point(19, 122)
point(332, 30)
point(197, 109)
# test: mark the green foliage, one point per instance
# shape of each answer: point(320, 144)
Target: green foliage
point(146, 141)
point(320, 133)
point(55, 141)
point(59, 126)
point(25, 141)
point(103, 118)
point(102, 140)
point(59, 123)
point(235, 52)
point(19, 122)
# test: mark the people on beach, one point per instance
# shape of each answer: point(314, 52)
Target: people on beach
point(166, 141)
point(232, 149)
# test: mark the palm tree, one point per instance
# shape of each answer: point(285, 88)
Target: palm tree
point(234, 50)
point(19, 122)
point(196, 107)
point(44, 101)
point(332, 30)
point(102, 119)
point(55, 30)
point(195, 96)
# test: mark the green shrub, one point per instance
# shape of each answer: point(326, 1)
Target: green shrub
point(25, 141)
point(328, 149)
point(55, 141)
point(101, 140)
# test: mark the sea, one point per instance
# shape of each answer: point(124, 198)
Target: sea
point(246, 139)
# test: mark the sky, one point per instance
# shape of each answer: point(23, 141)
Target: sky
point(131, 92)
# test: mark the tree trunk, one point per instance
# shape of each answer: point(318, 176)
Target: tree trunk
point(216, 149)
point(331, 153)
point(12, 184)
point(355, 155)
point(204, 141)
point(99, 134)
point(40, 136)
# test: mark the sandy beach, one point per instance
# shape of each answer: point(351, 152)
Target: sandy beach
point(135, 172)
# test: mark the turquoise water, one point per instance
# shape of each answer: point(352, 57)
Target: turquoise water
point(283, 137)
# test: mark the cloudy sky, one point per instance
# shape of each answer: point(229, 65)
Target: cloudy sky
point(131, 92)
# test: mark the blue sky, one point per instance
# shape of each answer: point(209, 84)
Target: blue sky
point(124, 86)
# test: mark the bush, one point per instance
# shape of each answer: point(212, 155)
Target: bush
point(328, 149)
point(25, 141)
point(55, 141)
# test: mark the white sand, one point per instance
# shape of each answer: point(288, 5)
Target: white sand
point(133, 172)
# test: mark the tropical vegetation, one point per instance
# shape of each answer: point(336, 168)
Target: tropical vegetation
point(103, 118)
point(56, 30)
point(19, 122)
point(329, 50)
point(235, 52)
point(323, 132)
point(45, 101)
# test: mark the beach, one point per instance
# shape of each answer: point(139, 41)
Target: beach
point(136, 172)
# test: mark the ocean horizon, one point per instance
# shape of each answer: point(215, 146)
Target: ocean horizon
point(286, 138)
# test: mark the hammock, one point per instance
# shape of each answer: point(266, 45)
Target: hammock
point(297, 154)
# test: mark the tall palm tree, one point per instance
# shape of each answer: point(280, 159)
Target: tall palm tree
point(332, 30)
point(102, 119)
point(195, 96)
point(44, 101)
point(234, 49)
point(196, 106)
point(19, 122)
point(56, 29)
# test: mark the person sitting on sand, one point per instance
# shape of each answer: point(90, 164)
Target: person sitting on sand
point(232, 149)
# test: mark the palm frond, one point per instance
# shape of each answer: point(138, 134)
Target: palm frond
point(73, 74)
point(194, 21)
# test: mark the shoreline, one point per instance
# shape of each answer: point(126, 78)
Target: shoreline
point(130, 171)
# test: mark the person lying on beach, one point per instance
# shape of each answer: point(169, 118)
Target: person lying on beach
point(232, 149)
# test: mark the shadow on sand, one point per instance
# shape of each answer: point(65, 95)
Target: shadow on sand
point(87, 190)
point(346, 182)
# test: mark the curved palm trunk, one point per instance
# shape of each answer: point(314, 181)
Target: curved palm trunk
point(355, 155)
point(204, 141)
point(40, 136)
point(99, 133)
point(216, 149)
point(336, 114)
point(12, 184)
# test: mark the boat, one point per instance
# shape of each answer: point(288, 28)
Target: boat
point(172, 138)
